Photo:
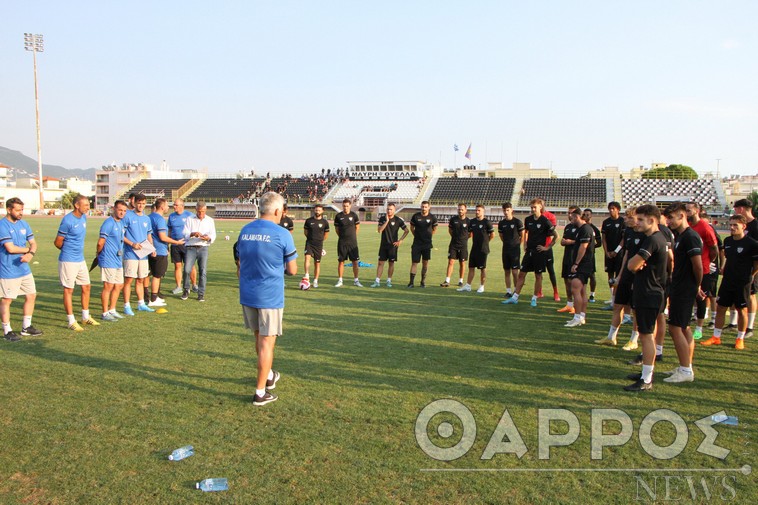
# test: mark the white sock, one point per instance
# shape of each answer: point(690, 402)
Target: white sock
point(582, 315)
point(389, 279)
point(71, 318)
point(127, 304)
point(447, 279)
point(508, 290)
point(750, 320)
point(306, 276)
point(613, 332)
point(85, 315)
point(592, 294)
point(569, 304)
point(686, 369)
point(270, 375)
point(534, 297)
point(6, 328)
point(717, 332)
point(378, 280)
point(634, 337)
point(460, 280)
point(515, 296)
point(27, 322)
point(340, 279)
point(658, 349)
point(647, 373)
point(740, 334)
point(260, 392)
point(140, 302)
point(355, 279)
point(706, 313)
point(733, 318)
point(699, 328)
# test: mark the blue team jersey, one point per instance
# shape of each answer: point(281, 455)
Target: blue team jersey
point(158, 223)
point(176, 224)
point(113, 233)
point(136, 229)
point(18, 233)
point(73, 230)
point(264, 249)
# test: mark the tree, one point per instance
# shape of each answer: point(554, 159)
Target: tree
point(67, 200)
point(671, 172)
point(753, 197)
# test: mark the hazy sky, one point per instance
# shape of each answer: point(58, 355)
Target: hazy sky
point(299, 85)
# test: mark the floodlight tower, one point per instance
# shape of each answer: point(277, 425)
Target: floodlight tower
point(35, 44)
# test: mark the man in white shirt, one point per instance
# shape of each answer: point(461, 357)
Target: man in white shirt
point(199, 233)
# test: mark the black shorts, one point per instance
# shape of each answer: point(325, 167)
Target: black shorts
point(680, 308)
point(314, 250)
point(347, 251)
point(534, 261)
point(457, 253)
point(623, 294)
point(478, 260)
point(178, 253)
point(419, 253)
point(753, 285)
point(708, 284)
point(646, 319)
point(388, 253)
point(511, 258)
point(739, 296)
point(582, 276)
point(613, 265)
point(158, 265)
point(566, 266)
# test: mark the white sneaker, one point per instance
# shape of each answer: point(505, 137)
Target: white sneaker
point(315, 283)
point(357, 284)
point(159, 302)
point(671, 372)
point(338, 285)
point(480, 290)
point(680, 376)
point(574, 323)
point(465, 287)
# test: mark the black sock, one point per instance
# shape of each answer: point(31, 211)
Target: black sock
point(423, 274)
point(413, 278)
point(153, 296)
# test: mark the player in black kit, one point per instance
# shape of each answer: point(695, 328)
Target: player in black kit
point(347, 225)
point(458, 228)
point(389, 226)
point(568, 241)
point(423, 226)
point(482, 232)
point(685, 287)
point(286, 222)
point(582, 257)
point(511, 232)
point(740, 267)
point(612, 230)
point(316, 230)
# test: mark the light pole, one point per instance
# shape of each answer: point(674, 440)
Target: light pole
point(35, 44)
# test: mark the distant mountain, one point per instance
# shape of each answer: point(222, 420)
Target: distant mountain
point(24, 166)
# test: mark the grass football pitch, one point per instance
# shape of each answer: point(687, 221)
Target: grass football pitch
point(90, 417)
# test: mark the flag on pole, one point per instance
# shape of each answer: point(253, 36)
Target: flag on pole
point(468, 152)
point(455, 147)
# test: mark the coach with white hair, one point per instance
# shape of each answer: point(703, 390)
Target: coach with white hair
point(266, 252)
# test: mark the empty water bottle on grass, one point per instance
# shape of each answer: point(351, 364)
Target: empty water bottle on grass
point(723, 419)
point(212, 485)
point(181, 453)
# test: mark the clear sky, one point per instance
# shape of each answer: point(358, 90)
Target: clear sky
point(298, 86)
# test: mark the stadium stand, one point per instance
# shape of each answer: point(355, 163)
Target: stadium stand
point(562, 192)
point(221, 190)
point(158, 188)
point(639, 191)
point(487, 191)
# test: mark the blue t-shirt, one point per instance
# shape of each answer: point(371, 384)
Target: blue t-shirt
point(73, 230)
point(113, 233)
point(176, 224)
point(18, 233)
point(136, 229)
point(158, 223)
point(264, 249)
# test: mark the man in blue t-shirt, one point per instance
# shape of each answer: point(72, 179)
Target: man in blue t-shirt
point(72, 269)
point(110, 253)
point(266, 252)
point(137, 231)
point(159, 263)
point(18, 249)
point(176, 221)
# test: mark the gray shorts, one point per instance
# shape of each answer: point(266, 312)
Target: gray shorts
point(11, 288)
point(72, 273)
point(112, 275)
point(136, 269)
point(266, 321)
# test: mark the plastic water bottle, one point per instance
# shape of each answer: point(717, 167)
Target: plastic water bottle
point(722, 419)
point(212, 485)
point(181, 453)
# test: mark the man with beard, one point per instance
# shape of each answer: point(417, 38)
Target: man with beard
point(389, 227)
point(316, 231)
point(511, 232)
point(458, 228)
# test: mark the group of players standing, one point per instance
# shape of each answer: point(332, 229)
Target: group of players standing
point(654, 270)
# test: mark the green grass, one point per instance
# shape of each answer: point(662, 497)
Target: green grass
point(91, 417)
